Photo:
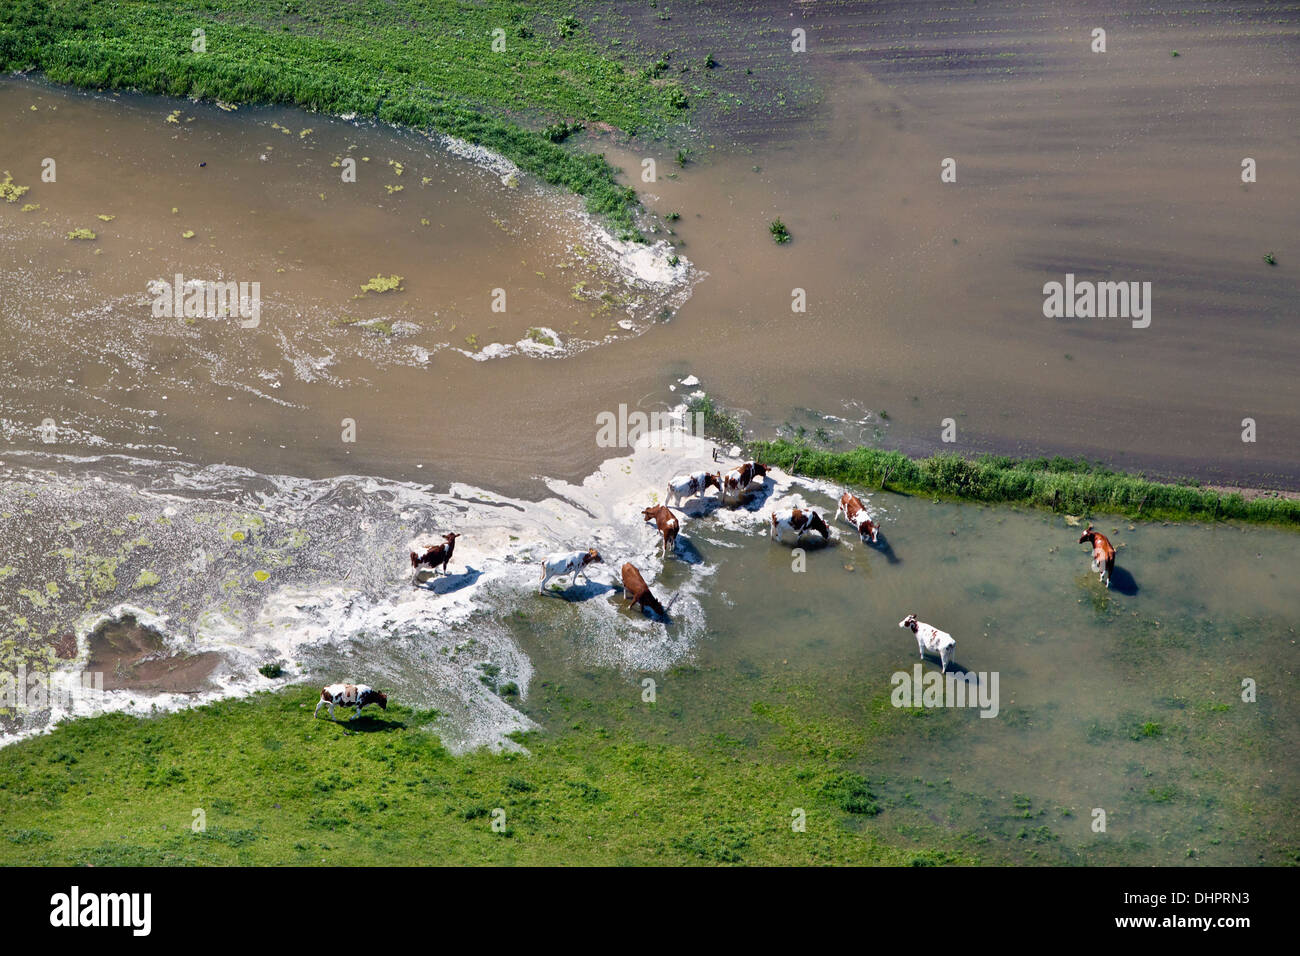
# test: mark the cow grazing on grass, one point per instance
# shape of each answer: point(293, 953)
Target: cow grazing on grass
point(799, 521)
point(1103, 554)
point(436, 555)
point(688, 486)
point(636, 591)
point(667, 523)
point(855, 512)
point(736, 481)
point(575, 564)
point(349, 695)
point(931, 640)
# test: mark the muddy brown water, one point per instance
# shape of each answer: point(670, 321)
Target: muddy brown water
point(924, 303)
point(924, 298)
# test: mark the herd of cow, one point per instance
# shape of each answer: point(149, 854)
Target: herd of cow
point(732, 487)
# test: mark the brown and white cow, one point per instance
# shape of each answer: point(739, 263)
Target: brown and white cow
point(931, 640)
point(736, 481)
point(349, 695)
point(436, 555)
point(667, 523)
point(688, 486)
point(636, 591)
point(1103, 554)
point(852, 509)
point(574, 564)
point(799, 521)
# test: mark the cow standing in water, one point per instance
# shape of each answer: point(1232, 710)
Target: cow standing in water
point(852, 508)
point(687, 486)
point(1103, 554)
point(637, 592)
point(737, 481)
point(931, 640)
point(574, 564)
point(799, 521)
point(667, 524)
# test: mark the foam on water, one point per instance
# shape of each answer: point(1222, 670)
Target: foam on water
point(315, 575)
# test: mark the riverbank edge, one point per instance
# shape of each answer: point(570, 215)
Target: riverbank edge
point(1062, 485)
point(60, 50)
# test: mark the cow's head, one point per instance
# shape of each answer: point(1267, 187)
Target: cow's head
point(868, 529)
point(652, 602)
point(650, 514)
point(712, 478)
point(1087, 535)
point(817, 523)
point(760, 471)
point(908, 622)
point(591, 555)
point(381, 700)
point(450, 537)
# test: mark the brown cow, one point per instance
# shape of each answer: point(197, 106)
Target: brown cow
point(667, 523)
point(1103, 554)
point(436, 555)
point(852, 508)
point(638, 592)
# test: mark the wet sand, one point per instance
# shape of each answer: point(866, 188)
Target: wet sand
point(132, 656)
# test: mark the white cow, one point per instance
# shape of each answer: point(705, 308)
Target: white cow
point(561, 564)
point(687, 486)
point(932, 640)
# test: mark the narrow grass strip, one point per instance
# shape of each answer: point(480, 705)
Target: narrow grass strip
point(1059, 484)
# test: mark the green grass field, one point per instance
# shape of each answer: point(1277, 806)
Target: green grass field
point(601, 787)
point(420, 63)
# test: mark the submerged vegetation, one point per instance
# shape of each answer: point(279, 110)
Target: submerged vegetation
point(1060, 484)
point(506, 75)
point(780, 234)
point(718, 422)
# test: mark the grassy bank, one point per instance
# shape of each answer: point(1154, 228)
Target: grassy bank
point(1060, 484)
point(421, 63)
point(278, 787)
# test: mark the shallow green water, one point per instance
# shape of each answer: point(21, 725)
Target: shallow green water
point(1127, 701)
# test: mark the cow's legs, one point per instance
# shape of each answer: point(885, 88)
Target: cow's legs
point(331, 703)
point(356, 714)
point(318, 707)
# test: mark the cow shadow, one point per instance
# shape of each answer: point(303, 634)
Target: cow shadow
point(699, 507)
point(954, 667)
point(886, 549)
point(450, 583)
point(754, 497)
point(686, 552)
point(577, 593)
point(1123, 582)
point(368, 724)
